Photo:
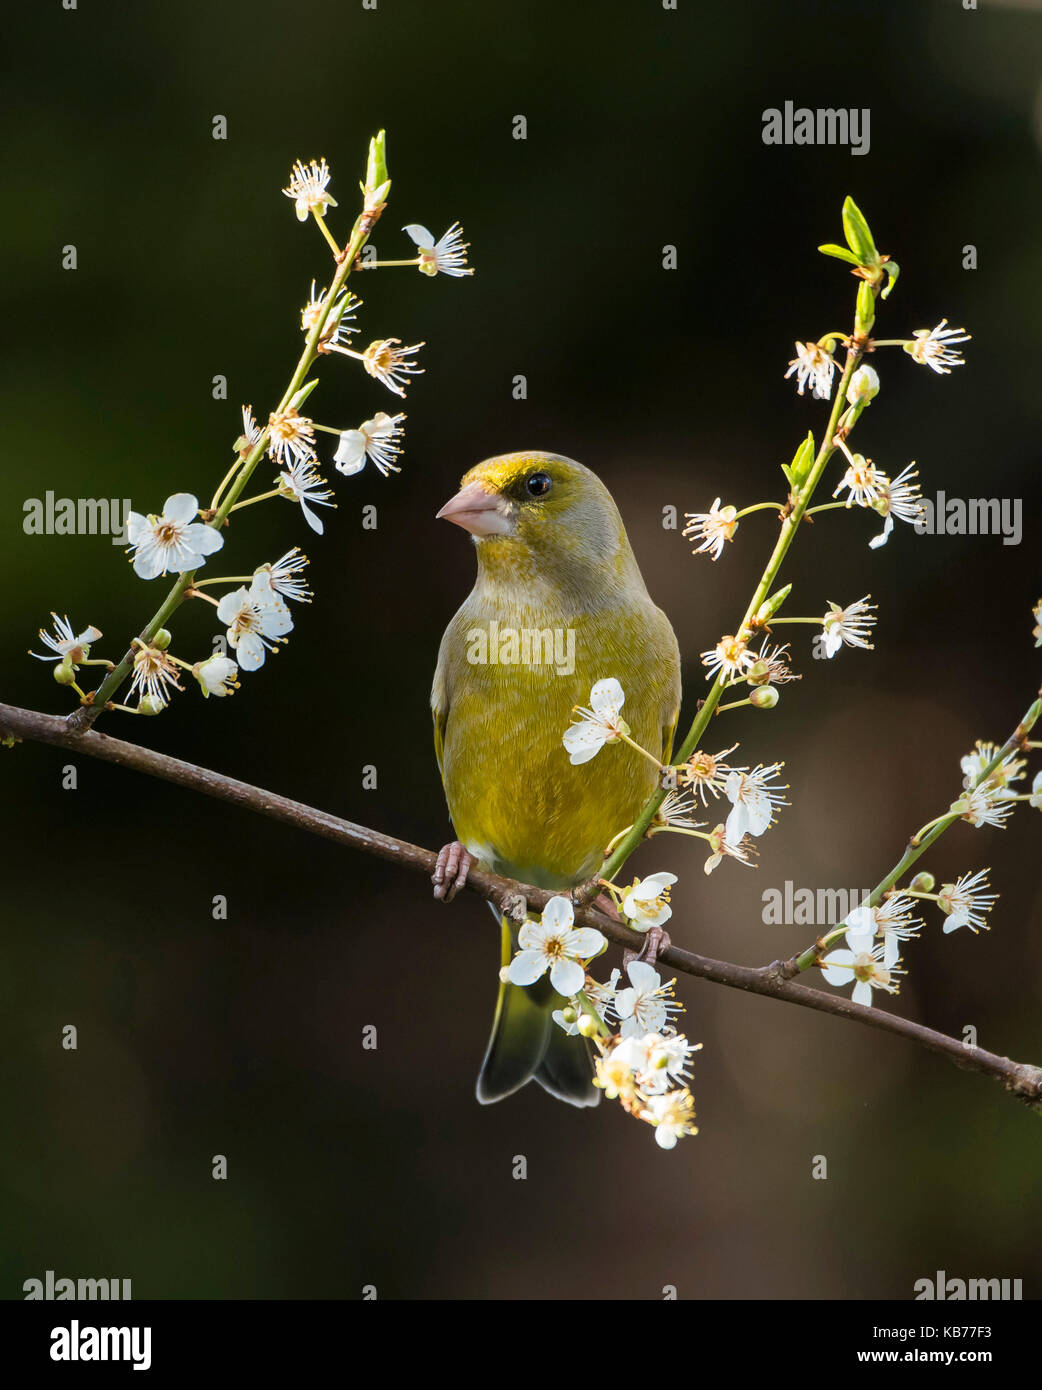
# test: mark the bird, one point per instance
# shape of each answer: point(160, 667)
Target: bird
point(553, 559)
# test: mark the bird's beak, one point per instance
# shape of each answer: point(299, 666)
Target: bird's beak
point(479, 511)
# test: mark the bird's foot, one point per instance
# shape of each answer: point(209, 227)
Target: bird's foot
point(655, 941)
point(450, 872)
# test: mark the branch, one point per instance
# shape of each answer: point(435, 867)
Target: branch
point(1020, 1078)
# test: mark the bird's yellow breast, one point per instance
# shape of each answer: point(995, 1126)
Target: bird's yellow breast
point(516, 801)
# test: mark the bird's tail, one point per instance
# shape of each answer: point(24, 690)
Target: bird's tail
point(527, 1043)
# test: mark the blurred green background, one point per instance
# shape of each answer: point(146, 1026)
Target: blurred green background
point(243, 1037)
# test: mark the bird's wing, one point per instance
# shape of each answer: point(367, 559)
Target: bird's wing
point(667, 656)
point(668, 732)
point(440, 706)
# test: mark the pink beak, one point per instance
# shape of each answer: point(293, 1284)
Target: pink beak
point(478, 511)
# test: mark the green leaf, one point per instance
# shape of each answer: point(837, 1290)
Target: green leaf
point(840, 252)
point(301, 396)
point(798, 470)
point(771, 605)
point(893, 270)
point(858, 235)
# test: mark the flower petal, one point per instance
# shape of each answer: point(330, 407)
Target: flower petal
point(583, 741)
point(527, 967)
point(567, 977)
point(862, 993)
point(643, 976)
point(181, 507)
point(584, 942)
point(558, 915)
point(420, 235)
point(607, 698)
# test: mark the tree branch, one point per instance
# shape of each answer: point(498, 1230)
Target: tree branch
point(1020, 1078)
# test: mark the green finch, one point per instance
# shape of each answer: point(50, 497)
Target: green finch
point(558, 605)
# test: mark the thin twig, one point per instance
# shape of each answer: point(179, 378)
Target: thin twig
point(1020, 1078)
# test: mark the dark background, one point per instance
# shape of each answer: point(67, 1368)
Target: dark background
point(243, 1037)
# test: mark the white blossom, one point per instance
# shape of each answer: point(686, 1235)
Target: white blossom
point(850, 625)
point(731, 658)
point(966, 902)
point(308, 189)
point(286, 576)
point(173, 542)
point(65, 643)
point(155, 677)
point(647, 1004)
point(389, 363)
point(866, 968)
point(376, 439)
point(893, 921)
point(899, 498)
point(1011, 769)
point(672, 1115)
point(933, 347)
point(713, 528)
point(600, 724)
point(447, 255)
point(303, 484)
point(646, 904)
point(753, 801)
point(257, 619)
point(814, 365)
point(555, 944)
point(707, 773)
point(292, 437)
point(217, 675)
point(988, 804)
point(723, 846)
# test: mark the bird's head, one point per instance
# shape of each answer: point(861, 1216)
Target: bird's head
point(541, 512)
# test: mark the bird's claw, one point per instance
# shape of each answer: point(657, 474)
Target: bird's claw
point(656, 940)
point(450, 872)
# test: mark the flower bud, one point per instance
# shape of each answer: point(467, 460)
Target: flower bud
point(162, 639)
point(504, 975)
point(771, 605)
point(864, 384)
point(865, 315)
point(569, 1015)
point(798, 470)
point(588, 1025)
point(764, 697)
point(759, 673)
point(376, 167)
point(922, 883)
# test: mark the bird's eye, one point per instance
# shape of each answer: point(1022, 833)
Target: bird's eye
point(539, 484)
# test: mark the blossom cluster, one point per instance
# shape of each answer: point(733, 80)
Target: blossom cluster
point(754, 792)
point(642, 1060)
point(182, 537)
point(871, 957)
